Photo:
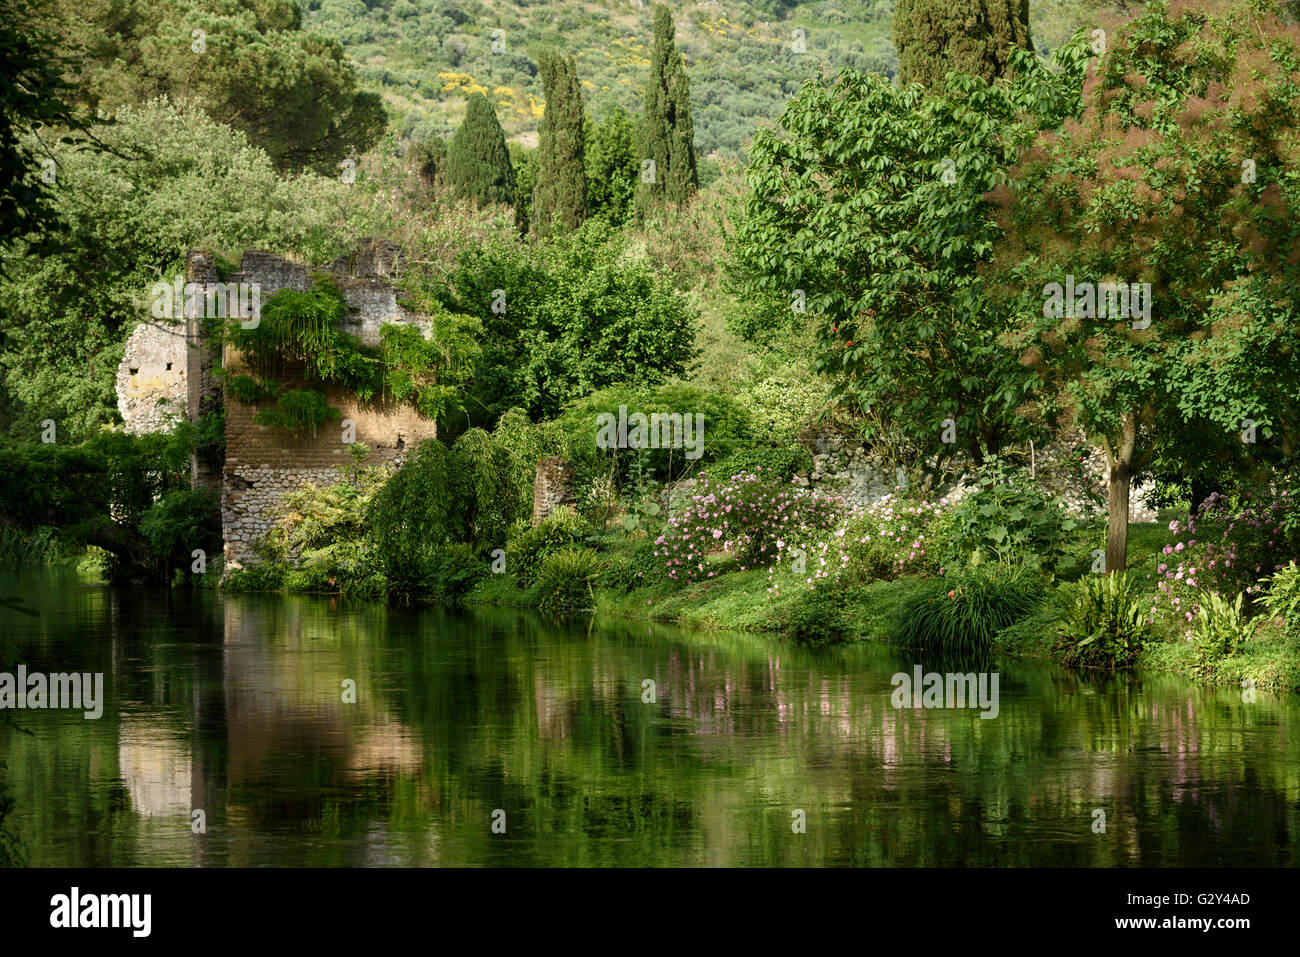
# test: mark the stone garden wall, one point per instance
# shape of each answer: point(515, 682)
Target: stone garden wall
point(847, 467)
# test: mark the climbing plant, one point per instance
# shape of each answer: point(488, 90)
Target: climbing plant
point(300, 339)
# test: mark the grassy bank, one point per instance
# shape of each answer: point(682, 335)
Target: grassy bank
point(784, 605)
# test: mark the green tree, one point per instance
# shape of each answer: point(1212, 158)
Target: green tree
point(428, 158)
point(35, 104)
point(246, 63)
point(612, 167)
point(478, 161)
point(866, 218)
point(170, 179)
point(524, 161)
point(667, 138)
point(974, 36)
point(1181, 173)
point(565, 317)
point(560, 196)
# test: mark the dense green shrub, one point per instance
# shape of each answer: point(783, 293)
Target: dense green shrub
point(1218, 629)
point(348, 567)
point(472, 491)
point(816, 615)
point(1106, 624)
point(635, 567)
point(261, 576)
point(456, 569)
point(1006, 518)
point(565, 580)
point(963, 612)
point(415, 513)
point(1283, 597)
point(783, 462)
point(525, 552)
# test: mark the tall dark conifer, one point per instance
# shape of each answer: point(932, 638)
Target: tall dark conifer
point(560, 197)
point(478, 162)
point(666, 138)
point(974, 36)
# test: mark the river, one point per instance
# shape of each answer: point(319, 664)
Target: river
point(498, 738)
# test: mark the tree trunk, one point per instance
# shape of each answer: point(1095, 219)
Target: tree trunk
point(1200, 490)
point(1117, 489)
point(1119, 480)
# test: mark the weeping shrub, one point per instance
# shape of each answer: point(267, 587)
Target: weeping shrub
point(961, 614)
point(468, 492)
point(414, 514)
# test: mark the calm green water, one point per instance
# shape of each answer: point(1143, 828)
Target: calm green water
point(233, 704)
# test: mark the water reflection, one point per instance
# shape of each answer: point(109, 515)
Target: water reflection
point(235, 706)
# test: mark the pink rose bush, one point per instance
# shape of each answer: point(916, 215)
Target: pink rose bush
point(754, 518)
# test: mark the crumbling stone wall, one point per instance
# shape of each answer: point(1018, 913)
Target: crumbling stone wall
point(552, 487)
point(167, 375)
point(851, 469)
point(152, 386)
point(262, 464)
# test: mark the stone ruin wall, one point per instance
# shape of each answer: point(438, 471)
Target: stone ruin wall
point(166, 376)
point(152, 384)
point(263, 464)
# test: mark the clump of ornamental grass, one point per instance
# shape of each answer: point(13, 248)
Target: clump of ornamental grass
point(962, 612)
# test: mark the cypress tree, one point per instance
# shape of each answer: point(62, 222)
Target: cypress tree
point(666, 136)
point(478, 163)
point(560, 197)
point(974, 36)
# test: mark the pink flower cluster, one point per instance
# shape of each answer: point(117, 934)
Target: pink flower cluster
point(1219, 550)
point(886, 539)
point(764, 522)
point(753, 517)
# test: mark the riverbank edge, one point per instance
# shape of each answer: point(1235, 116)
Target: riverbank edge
point(745, 601)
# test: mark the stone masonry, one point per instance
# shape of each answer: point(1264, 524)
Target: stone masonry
point(152, 390)
point(166, 375)
point(850, 468)
point(552, 487)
